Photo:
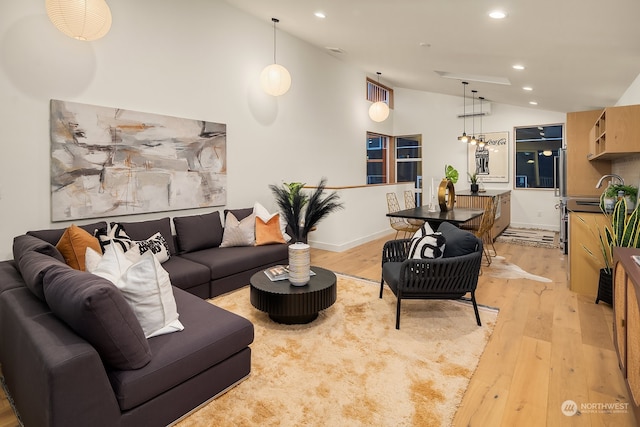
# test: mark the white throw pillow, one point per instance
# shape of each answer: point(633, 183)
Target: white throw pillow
point(146, 287)
point(423, 231)
point(239, 233)
point(155, 244)
point(427, 247)
point(261, 212)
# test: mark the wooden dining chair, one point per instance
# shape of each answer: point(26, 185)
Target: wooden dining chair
point(399, 224)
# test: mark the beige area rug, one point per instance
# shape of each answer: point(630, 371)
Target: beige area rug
point(529, 237)
point(503, 269)
point(351, 367)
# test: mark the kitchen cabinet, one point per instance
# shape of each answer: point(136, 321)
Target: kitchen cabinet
point(584, 269)
point(467, 199)
point(582, 174)
point(626, 320)
point(614, 133)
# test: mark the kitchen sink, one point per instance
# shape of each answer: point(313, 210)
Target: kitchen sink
point(583, 204)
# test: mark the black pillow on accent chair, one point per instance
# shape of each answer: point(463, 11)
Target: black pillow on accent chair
point(459, 242)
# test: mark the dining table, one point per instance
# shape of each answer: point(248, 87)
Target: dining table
point(455, 216)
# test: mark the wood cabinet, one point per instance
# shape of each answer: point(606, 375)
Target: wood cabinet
point(584, 268)
point(582, 174)
point(614, 133)
point(467, 199)
point(626, 324)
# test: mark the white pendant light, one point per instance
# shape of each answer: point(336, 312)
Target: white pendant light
point(80, 19)
point(464, 137)
point(379, 110)
point(275, 79)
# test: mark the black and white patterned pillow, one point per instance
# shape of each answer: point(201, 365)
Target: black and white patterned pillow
point(115, 233)
point(156, 244)
point(428, 246)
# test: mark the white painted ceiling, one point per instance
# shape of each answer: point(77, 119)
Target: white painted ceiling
point(578, 54)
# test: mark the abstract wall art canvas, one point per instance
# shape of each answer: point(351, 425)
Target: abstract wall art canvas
point(110, 162)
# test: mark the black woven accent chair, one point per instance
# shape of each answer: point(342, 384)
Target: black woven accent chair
point(443, 278)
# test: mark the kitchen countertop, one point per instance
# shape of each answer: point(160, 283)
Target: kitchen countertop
point(486, 193)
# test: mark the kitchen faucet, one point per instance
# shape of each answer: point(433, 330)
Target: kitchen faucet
point(611, 175)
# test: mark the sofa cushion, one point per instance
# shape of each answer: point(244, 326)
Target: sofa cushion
point(146, 287)
point(144, 229)
point(73, 246)
point(198, 231)
point(178, 357)
point(459, 242)
point(96, 310)
point(27, 243)
point(261, 212)
point(33, 266)
point(53, 235)
point(187, 274)
point(225, 262)
point(239, 232)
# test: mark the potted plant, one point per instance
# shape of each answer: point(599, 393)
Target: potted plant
point(614, 191)
point(304, 211)
point(474, 182)
point(623, 230)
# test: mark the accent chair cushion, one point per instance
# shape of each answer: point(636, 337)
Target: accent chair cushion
point(73, 245)
point(427, 246)
point(459, 242)
point(198, 232)
point(96, 310)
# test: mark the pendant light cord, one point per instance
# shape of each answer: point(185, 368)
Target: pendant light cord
point(275, 21)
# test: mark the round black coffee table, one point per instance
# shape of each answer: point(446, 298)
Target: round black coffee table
point(290, 304)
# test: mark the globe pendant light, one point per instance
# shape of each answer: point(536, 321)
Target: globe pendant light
point(481, 141)
point(464, 137)
point(379, 110)
point(275, 79)
point(80, 19)
point(473, 140)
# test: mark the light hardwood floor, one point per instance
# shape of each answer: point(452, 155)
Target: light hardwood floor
point(549, 345)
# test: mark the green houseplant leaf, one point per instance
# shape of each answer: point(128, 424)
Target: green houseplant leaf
point(451, 173)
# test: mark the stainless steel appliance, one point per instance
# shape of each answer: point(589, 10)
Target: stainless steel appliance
point(560, 185)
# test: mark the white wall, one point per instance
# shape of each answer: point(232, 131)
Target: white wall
point(434, 116)
point(632, 95)
point(201, 59)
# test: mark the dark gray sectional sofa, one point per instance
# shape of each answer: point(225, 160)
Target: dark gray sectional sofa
point(58, 377)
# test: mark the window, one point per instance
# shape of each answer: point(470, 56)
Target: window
point(408, 158)
point(391, 160)
point(379, 92)
point(536, 150)
point(377, 158)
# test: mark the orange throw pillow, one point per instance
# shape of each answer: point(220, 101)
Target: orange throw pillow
point(268, 232)
point(73, 246)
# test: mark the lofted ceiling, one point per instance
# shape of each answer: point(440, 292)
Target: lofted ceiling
point(578, 54)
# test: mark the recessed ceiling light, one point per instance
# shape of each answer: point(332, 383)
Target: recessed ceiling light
point(533, 103)
point(320, 15)
point(518, 67)
point(497, 14)
point(529, 88)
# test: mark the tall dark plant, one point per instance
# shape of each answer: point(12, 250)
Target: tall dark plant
point(292, 200)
